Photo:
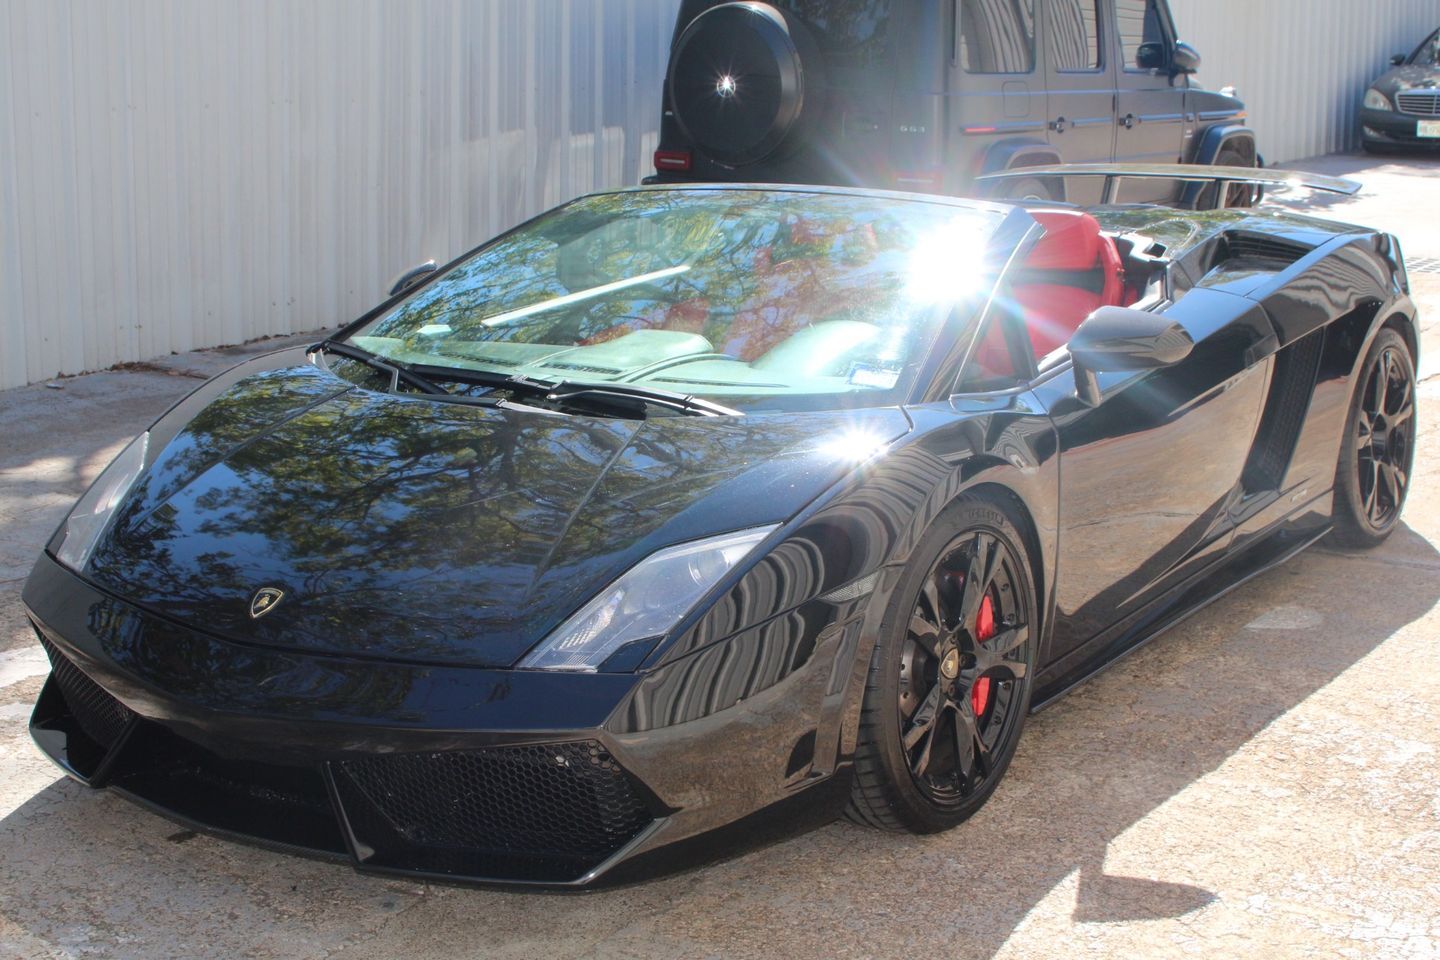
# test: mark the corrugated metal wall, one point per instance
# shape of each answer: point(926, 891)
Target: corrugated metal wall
point(186, 173)
point(1301, 66)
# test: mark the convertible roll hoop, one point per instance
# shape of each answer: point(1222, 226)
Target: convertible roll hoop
point(1117, 173)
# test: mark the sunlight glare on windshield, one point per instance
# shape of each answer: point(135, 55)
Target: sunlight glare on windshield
point(945, 264)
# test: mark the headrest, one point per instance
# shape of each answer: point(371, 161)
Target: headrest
point(1071, 241)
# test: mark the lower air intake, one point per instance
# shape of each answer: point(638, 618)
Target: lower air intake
point(101, 717)
point(547, 813)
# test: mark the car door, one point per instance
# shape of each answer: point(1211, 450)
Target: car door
point(1080, 81)
point(1150, 106)
point(1149, 475)
point(996, 94)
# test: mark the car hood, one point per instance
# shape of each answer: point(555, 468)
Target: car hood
point(1412, 77)
point(404, 528)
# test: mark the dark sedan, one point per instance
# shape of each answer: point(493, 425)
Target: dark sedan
point(678, 517)
point(1402, 108)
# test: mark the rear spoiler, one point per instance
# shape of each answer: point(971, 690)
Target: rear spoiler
point(1115, 173)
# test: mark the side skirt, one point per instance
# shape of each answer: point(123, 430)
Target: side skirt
point(1235, 572)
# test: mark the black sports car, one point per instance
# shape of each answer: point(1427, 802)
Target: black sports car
point(1402, 107)
point(680, 516)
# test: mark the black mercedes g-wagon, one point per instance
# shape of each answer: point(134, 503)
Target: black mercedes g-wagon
point(926, 95)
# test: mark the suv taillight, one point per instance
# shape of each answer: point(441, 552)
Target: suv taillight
point(676, 161)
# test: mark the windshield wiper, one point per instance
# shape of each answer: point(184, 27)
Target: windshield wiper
point(425, 377)
point(396, 372)
point(627, 397)
point(624, 398)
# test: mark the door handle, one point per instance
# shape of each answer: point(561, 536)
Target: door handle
point(1060, 125)
point(1129, 120)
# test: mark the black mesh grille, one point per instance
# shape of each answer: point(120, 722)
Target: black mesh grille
point(1253, 246)
point(272, 803)
point(101, 716)
point(562, 807)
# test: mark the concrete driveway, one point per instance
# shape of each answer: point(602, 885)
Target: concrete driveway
point(1262, 781)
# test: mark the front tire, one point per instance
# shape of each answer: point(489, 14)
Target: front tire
point(1378, 455)
point(950, 679)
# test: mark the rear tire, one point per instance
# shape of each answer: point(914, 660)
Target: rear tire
point(1237, 195)
point(950, 679)
point(1029, 188)
point(1378, 453)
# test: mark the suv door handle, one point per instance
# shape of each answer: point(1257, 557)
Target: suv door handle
point(1060, 125)
point(1129, 121)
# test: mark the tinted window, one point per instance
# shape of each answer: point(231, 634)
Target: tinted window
point(997, 36)
point(1139, 22)
point(844, 24)
point(750, 295)
point(1075, 34)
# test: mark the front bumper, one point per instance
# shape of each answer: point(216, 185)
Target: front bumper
point(1392, 128)
point(462, 774)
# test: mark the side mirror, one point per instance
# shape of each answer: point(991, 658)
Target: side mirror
point(1398, 60)
point(1186, 59)
point(412, 276)
point(1118, 338)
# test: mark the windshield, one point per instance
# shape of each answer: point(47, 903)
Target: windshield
point(1428, 54)
point(764, 298)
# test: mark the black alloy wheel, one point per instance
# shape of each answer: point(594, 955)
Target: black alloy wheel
point(1379, 452)
point(950, 681)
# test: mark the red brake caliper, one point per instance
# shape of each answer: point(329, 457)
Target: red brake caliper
point(984, 630)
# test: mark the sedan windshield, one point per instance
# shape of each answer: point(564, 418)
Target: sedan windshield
point(1428, 54)
point(763, 298)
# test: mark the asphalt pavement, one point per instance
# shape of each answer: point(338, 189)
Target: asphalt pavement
point(1262, 781)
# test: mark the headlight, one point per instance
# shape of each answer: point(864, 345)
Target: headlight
point(90, 516)
point(1375, 100)
point(646, 602)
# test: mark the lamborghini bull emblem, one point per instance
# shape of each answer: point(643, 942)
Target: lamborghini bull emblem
point(265, 600)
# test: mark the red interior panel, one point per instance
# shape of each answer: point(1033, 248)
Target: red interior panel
point(1073, 243)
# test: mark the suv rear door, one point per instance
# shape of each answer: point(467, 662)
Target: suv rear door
point(1150, 125)
point(997, 93)
point(1080, 75)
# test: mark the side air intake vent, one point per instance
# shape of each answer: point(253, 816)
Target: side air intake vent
point(1296, 369)
point(1259, 246)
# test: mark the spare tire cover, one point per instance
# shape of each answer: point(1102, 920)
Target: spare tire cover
point(738, 80)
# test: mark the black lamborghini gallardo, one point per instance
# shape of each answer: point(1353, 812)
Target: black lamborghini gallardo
point(679, 516)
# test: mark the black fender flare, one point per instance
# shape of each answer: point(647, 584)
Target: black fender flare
point(1017, 152)
point(1208, 146)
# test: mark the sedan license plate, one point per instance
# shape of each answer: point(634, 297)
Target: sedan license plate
point(1428, 128)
